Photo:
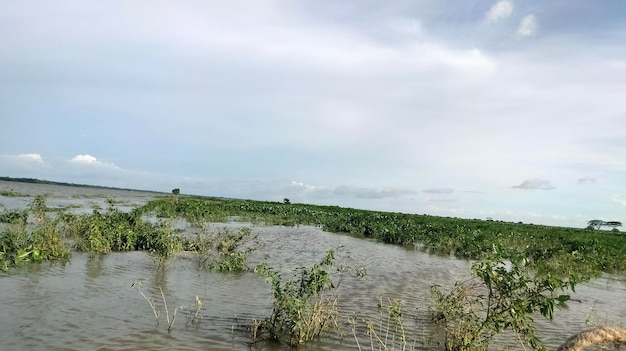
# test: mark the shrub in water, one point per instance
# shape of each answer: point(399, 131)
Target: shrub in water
point(304, 306)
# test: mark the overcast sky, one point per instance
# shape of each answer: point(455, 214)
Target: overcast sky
point(514, 110)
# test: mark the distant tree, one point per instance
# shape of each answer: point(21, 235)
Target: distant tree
point(175, 191)
point(596, 223)
point(613, 224)
point(286, 201)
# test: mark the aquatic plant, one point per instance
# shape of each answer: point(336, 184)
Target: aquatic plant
point(223, 250)
point(503, 295)
point(114, 230)
point(14, 216)
point(389, 332)
point(24, 241)
point(305, 306)
point(593, 252)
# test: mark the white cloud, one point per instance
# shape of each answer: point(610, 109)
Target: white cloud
point(88, 159)
point(528, 26)
point(535, 183)
point(13, 164)
point(92, 161)
point(500, 10)
point(28, 158)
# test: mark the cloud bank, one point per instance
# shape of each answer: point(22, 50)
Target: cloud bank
point(535, 184)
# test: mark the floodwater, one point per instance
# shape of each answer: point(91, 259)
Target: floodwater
point(89, 303)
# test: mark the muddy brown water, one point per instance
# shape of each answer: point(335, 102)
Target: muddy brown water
point(89, 303)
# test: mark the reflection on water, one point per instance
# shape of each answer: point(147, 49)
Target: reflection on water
point(89, 304)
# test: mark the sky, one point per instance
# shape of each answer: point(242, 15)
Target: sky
point(510, 109)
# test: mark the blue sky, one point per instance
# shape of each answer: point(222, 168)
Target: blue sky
point(507, 109)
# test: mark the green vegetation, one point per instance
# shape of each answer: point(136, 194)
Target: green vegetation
point(305, 306)
point(14, 217)
point(24, 241)
point(32, 235)
point(223, 250)
point(503, 295)
point(194, 210)
point(551, 248)
point(114, 230)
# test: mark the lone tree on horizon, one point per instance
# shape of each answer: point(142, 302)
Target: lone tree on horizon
point(613, 224)
point(598, 224)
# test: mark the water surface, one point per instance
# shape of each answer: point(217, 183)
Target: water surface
point(89, 303)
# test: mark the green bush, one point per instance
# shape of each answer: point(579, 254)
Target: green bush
point(304, 306)
point(40, 240)
point(502, 296)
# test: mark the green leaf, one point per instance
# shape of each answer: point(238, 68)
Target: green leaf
point(563, 298)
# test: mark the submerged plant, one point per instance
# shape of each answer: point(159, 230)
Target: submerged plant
point(223, 250)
